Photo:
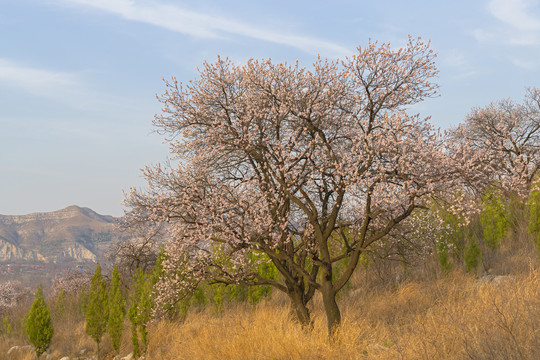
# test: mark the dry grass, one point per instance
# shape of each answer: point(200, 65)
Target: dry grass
point(452, 318)
point(428, 316)
point(456, 317)
point(69, 339)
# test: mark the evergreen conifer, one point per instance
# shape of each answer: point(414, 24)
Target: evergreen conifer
point(97, 308)
point(534, 216)
point(473, 255)
point(117, 310)
point(39, 325)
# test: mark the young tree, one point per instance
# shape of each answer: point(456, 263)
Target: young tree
point(6, 326)
point(139, 251)
point(133, 315)
point(60, 304)
point(97, 310)
point(501, 143)
point(494, 219)
point(534, 216)
point(306, 168)
point(117, 310)
point(142, 303)
point(473, 255)
point(39, 325)
point(140, 310)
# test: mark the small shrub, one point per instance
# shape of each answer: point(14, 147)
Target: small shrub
point(117, 310)
point(6, 326)
point(494, 220)
point(140, 310)
point(97, 308)
point(473, 255)
point(39, 325)
point(444, 259)
point(534, 217)
point(60, 305)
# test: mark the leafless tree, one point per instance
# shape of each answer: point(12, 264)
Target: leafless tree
point(139, 251)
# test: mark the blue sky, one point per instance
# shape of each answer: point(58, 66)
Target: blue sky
point(79, 78)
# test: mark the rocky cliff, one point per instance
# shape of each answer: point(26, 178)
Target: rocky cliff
point(73, 233)
point(10, 252)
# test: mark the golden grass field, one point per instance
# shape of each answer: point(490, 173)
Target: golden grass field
point(452, 318)
point(426, 316)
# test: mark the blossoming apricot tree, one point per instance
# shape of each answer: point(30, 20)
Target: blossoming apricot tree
point(303, 168)
point(11, 294)
point(501, 145)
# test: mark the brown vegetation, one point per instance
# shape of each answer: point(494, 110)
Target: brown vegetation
point(455, 317)
point(426, 315)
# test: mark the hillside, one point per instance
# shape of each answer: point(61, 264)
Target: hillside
point(70, 234)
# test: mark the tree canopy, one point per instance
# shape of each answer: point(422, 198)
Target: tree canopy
point(499, 145)
point(302, 167)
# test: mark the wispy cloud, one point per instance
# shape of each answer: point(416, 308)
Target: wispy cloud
point(521, 19)
point(202, 25)
point(515, 13)
point(458, 62)
point(67, 88)
point(517, 28)
point(40, 82)
point(524, 64)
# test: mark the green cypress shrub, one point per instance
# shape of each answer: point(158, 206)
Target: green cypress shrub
point(141, 304)
point(39, 326)
point(97, 308)
point(140, 311)
point(117, 310)
point(145, 310)
point(534, 216)
point(473, 255)
point(60, 307)
point(444, 259)
point(6, 326)
point(494, 220)
point(133, 312)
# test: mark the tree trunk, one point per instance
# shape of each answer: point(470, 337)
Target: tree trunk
point(299, 309)
point(333, 315)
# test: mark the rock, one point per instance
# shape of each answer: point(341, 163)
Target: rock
point(495, 279)
point(19, 349)
point(127, 357)
point(12, 350)
point(65, 358)
point(356, 293)
point(90, 357)
point(376, 347)
point(499, 279)
point(486, 278)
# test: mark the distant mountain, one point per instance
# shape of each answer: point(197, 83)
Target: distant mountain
point(73, 233)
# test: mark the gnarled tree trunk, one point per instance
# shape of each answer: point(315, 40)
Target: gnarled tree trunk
point(333, 314)
point(299, 309)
